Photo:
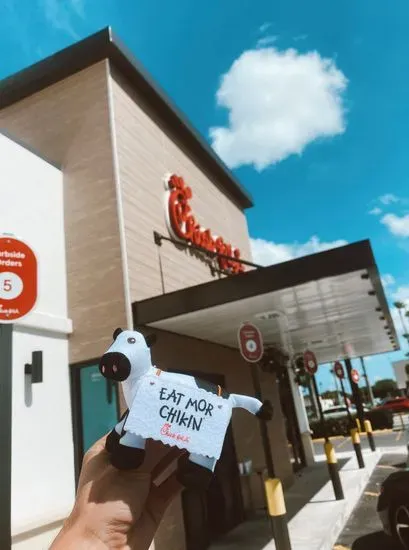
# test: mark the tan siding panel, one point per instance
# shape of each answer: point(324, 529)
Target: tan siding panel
point(146, 154)
point(69, 124)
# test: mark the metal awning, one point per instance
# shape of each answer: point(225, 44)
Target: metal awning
point(332, 302)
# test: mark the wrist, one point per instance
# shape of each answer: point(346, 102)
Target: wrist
point(77, 535)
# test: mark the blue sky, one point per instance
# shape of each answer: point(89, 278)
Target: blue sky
point(318, 152)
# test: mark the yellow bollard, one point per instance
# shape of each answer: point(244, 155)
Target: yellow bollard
point(369, 434)
point(355, 436)
point(277, 513)
point(275, 497)
point(358, 424)
point(332, 463)
point(356, 442)
point(330, 453)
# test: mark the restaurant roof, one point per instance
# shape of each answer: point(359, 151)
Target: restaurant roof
point(105, 45)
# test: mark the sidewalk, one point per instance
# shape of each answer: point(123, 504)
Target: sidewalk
point(315, 517)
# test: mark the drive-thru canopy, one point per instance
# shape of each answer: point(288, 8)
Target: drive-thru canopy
point(333, 302)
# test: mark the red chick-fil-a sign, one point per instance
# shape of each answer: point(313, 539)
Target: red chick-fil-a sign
point(184, 226)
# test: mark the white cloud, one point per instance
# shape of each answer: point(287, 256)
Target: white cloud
point(375, 211)
point(397, 225)
point(264, 27)
point(278, 103)
point(266, 41)
point(388, 280)
point(60, 14)
point(268, 252)
point(388, 198)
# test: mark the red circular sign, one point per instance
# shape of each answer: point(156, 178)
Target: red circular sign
point(355, 376)
point(339, 370)
point(250, 343)
point(310, 362)
point(18, 279)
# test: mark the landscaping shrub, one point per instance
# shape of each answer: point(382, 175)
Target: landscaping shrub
point(380, 420)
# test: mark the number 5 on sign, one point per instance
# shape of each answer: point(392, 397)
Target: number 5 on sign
point(18, 279)
point(11, 286)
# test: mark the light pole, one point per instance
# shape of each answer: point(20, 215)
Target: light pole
point(337, 396)
point(368, 384)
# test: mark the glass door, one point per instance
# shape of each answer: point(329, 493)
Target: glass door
point(95, 408)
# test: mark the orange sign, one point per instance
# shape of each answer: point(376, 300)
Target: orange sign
point(18, 279)
point(184, 226)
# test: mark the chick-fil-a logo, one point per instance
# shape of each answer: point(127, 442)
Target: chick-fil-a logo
point(184, 227)
point(166, 431)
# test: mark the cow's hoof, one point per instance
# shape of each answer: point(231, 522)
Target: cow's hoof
point(193, 476)
point(112, 441)
point(127, 458)
point(266, 411)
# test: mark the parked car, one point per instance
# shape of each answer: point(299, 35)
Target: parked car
point(337, 421)
point(393, 507)
point(336, 412)
point(394, 404)
point(341, 411)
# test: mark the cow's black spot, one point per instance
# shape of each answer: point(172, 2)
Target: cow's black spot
point(211, 388)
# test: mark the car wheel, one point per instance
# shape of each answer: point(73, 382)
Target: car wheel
point(400, 523)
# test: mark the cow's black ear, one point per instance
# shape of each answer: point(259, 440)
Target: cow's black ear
point(150, 340)
point(117, 332)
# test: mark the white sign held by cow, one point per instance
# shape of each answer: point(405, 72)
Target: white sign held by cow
point(176, 414)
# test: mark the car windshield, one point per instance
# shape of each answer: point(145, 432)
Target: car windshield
point(334, 410)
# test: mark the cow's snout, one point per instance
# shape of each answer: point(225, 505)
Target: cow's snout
point(115, 366)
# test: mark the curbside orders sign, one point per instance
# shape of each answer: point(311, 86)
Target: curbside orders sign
point(339, 370)
point(18, 279)
point(310, 362)
point(250, 343)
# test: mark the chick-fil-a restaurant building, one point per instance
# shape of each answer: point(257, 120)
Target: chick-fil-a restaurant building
point(137, 223)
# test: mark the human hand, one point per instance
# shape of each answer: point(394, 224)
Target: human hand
point(117, 509)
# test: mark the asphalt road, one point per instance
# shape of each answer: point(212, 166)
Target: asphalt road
point(384, 438)
point(363, 530)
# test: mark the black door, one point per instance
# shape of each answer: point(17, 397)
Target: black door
point(293, 431)
point(224, 498)
point(209, 516)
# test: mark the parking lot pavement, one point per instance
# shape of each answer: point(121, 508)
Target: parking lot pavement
point(400, 421)
point(363, 531)
point(383, 439)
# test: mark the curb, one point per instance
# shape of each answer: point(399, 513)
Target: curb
point(326, 517)
point(351, 497)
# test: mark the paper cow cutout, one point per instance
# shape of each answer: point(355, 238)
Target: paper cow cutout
point(177, 409)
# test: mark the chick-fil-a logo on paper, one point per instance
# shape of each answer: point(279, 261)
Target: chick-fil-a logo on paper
point(183, 226)
point(167, 431)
